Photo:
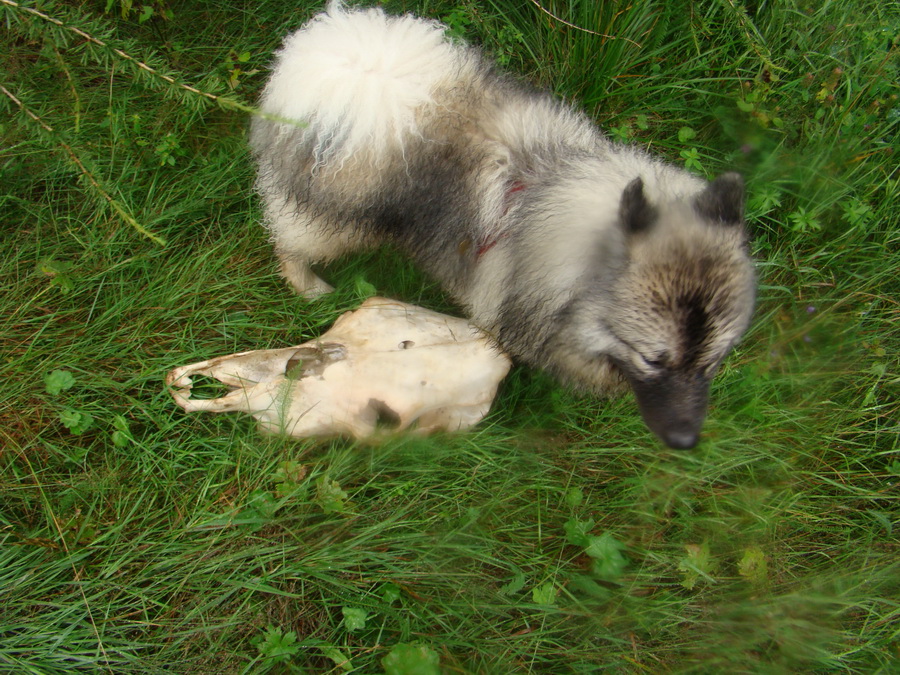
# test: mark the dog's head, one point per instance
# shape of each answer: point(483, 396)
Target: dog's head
point(682, 299)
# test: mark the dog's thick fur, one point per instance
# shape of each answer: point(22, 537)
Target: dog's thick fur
point(591, 260)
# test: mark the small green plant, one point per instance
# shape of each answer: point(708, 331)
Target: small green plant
point(544, 594)
point(621, 133)
point(857, 213)
point(765, 200)
point(78, 529)
point(696, 565)
point(390, 593)
point(259, 509)
point(330, 496)
point(509, 41)
point(574, 497)
point(276, 646)
point(363, 289)
point(169, 149)
point(145, 11)
point(76, 421)
point(59, 273)
point(58, 381)
point(607, 560)
point(691, 157)
point(754, 102)
point(121, 434)
point(235, 67)
point(804, 221)
point(289, 478)
point(354, 618)
point(686, 134)
point(458, 22)
point(411, 659)
point(753, 566)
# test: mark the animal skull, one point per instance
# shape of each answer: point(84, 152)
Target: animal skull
point(388, 364)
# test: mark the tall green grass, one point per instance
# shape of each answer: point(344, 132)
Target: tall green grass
point(558, 537)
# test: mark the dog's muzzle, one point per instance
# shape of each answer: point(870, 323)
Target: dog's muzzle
point(673, 406)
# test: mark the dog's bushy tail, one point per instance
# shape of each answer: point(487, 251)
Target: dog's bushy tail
point(352, 81)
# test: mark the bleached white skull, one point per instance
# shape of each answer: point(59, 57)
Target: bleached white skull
point(386, 366)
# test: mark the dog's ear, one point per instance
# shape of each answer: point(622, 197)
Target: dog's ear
point(635, 212)
point(723, 200)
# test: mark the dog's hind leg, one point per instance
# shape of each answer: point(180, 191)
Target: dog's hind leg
point(302, 239)
point(295, 268)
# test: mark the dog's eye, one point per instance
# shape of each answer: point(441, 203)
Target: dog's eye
point(656, 363)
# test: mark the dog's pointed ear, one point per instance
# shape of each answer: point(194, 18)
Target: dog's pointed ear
point(723, 200)
point(635, 212)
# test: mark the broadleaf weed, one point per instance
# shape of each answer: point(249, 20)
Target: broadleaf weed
point(277, 646)
point(411, 659)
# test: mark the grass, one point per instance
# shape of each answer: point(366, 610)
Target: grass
point(558, 537)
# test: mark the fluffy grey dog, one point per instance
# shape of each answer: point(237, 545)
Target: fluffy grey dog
point(591, 260)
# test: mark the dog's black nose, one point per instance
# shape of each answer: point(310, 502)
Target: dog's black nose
point(681, 439)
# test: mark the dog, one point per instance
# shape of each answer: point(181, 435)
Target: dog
point(589, 259)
